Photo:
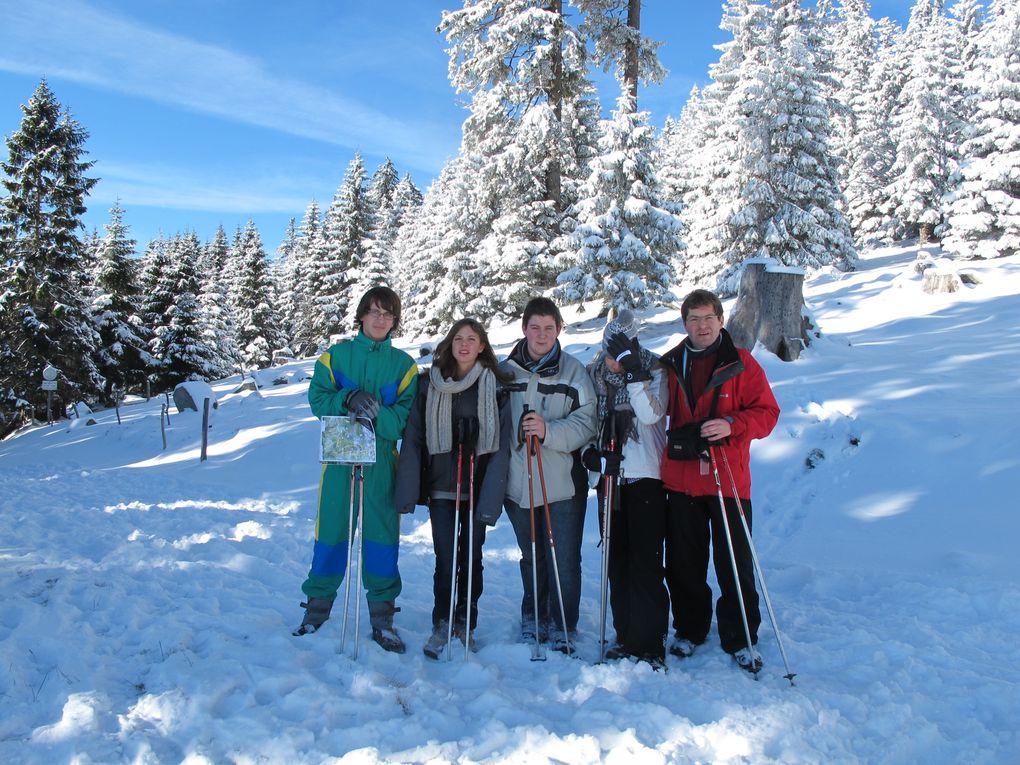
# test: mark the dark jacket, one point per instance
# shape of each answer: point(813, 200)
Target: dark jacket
point(424, 477)
point(745, 399)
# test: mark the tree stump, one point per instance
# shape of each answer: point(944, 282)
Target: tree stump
point(768, 309)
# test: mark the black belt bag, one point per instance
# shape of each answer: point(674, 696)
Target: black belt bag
point(686, 442)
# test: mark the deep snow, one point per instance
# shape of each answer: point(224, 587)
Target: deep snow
point(148, 597)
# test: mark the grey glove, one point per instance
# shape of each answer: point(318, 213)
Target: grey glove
point(362, 405)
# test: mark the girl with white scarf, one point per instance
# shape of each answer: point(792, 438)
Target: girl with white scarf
point(458, 410)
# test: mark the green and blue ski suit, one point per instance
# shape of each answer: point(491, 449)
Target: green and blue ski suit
point(391, 376)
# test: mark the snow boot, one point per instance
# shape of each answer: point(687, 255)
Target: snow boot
point(380, 613)
point(460, 632)
point(681, 648)
point(436, 644)
point(316, 613)
point(748, 660)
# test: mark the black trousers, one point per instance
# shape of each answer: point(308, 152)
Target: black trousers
point(442, 514)
point(637, 592)
point(692, 523)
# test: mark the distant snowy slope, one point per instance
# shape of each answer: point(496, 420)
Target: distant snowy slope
point(148, 597)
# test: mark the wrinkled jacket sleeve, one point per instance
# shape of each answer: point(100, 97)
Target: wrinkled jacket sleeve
point(756, 410)
point(571, 433)
point(408, 488)
point(650, 397)
point(390, 422)
point(490, 499)
point(324, 398)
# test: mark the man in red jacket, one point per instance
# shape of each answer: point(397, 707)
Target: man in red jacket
point(722, 393)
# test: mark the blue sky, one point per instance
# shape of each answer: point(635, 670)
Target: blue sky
point(208, 112)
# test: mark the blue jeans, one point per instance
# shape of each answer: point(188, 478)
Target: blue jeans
point(567, 525)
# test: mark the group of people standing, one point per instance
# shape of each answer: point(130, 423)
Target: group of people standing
point(530, 435)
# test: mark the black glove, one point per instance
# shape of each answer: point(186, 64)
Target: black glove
point(627, 353)
point(465, 433)
point(407, 509)
point(601, 461)
point(362, 405)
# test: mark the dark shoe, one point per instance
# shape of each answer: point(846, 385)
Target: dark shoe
point(748, 660)
point(316, 613)
point(561, 643)
point(380, 613)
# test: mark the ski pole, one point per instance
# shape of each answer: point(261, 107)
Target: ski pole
point(470, 554)
point(790, 674)
point(537, 653)
point(347, 569)
point(733, 560)
point(361, 554)
point(607, 510)
point(456, 537)
point(552, 543)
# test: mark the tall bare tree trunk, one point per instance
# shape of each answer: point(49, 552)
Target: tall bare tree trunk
point(630, 61)
point(553, 176)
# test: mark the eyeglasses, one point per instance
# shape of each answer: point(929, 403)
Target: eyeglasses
point(706, 319)
point(375, 313)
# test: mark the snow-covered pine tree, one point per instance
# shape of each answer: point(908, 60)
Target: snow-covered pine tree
point(184, 355)
point(377, 267)
point(734, 134)
point(283, 271)
point(299, 325)
point(805, 226)
point(258, 326)
point(44, 313)
point(923, 128)
point(523, 64)
point(853, 45)
point(123, 356)
point(680, 141)
point(874, 152)
point(627, 235)
point(984, 207)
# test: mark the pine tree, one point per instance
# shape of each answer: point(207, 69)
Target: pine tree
point(805, 226)
point(123, 356)
point(627, 235)
point(873, 154)
point(303, 340)
point(923, 127)
point(984, 208)
point(184, 355)
point(258, 326)
point(44, 273)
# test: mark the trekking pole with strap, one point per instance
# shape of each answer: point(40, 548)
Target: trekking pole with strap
point(470, 554)
point(790, 674)
point(552, 543)
point(456, 537)
point(537, 654)
point(350, 560)
point(607, 514)
point(361, 555)
point(733, 562)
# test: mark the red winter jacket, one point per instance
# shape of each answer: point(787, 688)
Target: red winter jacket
point(745, 398)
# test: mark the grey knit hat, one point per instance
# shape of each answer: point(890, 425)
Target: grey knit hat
point(626, 322)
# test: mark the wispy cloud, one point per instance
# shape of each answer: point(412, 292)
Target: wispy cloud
point(72, 40)
point(168, 187)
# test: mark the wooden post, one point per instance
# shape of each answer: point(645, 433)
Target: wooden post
point(205, 428)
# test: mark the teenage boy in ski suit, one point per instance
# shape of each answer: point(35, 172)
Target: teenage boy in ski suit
point(722, 387)
point(551, 397)
point(368, 378)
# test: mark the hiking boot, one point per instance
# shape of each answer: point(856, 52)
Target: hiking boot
point(316, 613)
point(681, 648)
point(615, 652)
point(380, 613)
point(748, 660)
point(434, 646)
point(460, 631)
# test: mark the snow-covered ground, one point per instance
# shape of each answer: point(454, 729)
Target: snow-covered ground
point(148, 597)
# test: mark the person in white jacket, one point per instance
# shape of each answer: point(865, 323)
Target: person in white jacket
point(631, 409)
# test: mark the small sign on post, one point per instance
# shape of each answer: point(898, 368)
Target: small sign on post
point(49, 384)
